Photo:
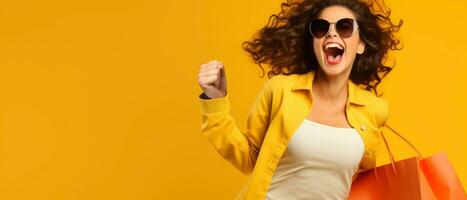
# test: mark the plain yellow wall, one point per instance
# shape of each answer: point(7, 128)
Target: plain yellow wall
point(99, 99)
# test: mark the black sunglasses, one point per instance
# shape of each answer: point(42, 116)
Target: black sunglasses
point(345, 27)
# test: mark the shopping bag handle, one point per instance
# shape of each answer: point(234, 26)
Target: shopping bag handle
point(389, 151)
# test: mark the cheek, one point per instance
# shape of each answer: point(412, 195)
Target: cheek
point(353, 44)
point(316, 47)
point(352, 47)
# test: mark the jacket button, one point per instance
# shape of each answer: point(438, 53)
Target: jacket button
point(363, 127)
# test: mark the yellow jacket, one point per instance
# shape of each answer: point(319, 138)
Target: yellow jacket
point(281, 105)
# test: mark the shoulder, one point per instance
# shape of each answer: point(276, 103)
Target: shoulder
point(280, 82)
point(377, 105)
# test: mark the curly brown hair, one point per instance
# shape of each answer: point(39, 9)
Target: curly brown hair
point(284, 43)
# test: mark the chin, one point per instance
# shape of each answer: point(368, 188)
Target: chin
point(334, 70)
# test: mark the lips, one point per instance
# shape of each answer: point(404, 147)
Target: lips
point(333, 52)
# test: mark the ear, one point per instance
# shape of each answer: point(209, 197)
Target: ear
point(361, 47)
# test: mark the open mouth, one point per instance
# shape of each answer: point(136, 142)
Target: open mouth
point(334, 53)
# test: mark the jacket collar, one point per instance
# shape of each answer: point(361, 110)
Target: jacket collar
point(305, 82)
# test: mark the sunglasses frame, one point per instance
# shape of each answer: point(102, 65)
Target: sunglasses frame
point(354, 23)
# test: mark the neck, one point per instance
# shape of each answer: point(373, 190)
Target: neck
point(330, 89)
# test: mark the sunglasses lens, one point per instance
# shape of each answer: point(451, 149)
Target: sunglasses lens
point(345, 27)
point(319, 28)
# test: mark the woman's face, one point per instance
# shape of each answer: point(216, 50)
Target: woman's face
point(325, 47)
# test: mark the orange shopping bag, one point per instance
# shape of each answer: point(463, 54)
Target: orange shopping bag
point(415, 178)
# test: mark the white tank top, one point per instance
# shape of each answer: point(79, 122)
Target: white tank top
point(318, 163)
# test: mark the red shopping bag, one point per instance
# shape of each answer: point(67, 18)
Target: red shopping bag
point(442, 178)
point(415, 178)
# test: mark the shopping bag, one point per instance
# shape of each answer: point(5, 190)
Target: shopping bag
point(415, 178)
point(442, 178)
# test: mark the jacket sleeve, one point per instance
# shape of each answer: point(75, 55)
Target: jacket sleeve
point(381, 115)
point(239, 147)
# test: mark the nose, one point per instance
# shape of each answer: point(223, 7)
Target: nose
point(332, 31)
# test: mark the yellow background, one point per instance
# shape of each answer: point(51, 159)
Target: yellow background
point(99, 100)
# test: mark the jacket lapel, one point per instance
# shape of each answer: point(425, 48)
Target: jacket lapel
point(296, 113)
point(305, 82)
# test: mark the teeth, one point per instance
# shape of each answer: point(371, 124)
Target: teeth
point(333, 45)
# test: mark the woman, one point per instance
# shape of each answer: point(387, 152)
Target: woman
point(311, 129)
